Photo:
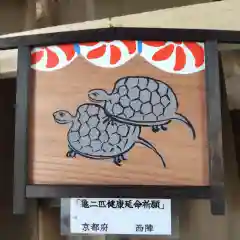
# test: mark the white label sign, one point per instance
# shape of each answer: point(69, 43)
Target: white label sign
point(120, 216)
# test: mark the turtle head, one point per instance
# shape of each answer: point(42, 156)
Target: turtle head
point(62, 117)
point(98, 95)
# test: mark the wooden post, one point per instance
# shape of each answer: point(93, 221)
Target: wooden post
point(30, 19)
point(21, 131)
point(90, 9)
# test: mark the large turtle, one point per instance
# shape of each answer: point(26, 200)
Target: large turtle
point(91, 136)
point(141, 101)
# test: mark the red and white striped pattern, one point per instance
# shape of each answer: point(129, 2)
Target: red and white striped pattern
point(175, 57)
point(109, 54)
point(172, 57)
point(52, 58)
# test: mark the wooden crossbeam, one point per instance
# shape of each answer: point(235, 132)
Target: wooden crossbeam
point(222, 15)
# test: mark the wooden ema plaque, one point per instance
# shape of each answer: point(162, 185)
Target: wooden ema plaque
point(119, 113)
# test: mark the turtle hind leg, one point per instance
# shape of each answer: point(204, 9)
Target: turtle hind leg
point(156, 128)
point(162, 127)
point(117, 160)
point(71, 154)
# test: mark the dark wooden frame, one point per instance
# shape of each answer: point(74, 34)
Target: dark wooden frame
point(21, 126)
point(214, 192)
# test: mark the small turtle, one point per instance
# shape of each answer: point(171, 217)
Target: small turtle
point(141, 101)
point(91, 136)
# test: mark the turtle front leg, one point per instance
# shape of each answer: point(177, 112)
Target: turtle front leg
point(117, 160)
point(71, 154)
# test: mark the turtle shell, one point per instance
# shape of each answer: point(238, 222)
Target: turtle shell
point(94, 135)
point(141, 100)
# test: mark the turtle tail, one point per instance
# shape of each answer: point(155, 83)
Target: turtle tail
point(184, 119)
point(150, 146)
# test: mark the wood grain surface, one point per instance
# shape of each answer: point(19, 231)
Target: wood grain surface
point(67, 88)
